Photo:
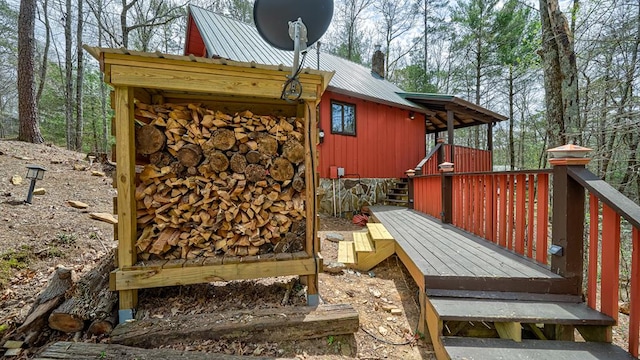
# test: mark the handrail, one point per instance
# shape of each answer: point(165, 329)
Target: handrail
point(426, 158)
point(607, 194)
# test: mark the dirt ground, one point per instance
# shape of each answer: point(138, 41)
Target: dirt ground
point(36, 238)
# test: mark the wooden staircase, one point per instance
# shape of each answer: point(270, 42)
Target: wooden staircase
point(368, 248)
point(399, 193)
point(542, 326)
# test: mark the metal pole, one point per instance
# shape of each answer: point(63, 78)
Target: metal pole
point(32, 186)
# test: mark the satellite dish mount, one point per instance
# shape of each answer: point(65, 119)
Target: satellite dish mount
point(298, 33)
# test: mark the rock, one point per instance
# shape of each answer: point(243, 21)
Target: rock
point(334, 237)
point(106, 217)
point(333, 267)
point(79, 167)
point(396, 311)
point(39, 191)
point(624, 307)
point(388, 307)
point(77, 204)
point(383, 330)
point(16, 179)
point(97, 173)
point(376, 293)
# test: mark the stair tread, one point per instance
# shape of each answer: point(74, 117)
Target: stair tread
point(377, 231)
point(547, 312)
point(492, 349)
point(395, 200)
point(362, 242)
point(346, 254)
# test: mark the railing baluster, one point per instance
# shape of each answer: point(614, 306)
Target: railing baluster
point(520, 207)
point(489, 210)
point(511, 211)
point(592, 273)
point(634, 301)
point(503, 210)
point(542, 220)
point(479, 205)
point(530, 202)
point(610, 262)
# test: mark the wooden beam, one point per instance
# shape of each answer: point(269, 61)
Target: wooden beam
point(451, 140)
point(509, 330)
point(307, 112)
point(141, 278)
point(596, 333)
point(82, 351)
point(125, 180)
point(290, 323)
point(187, 79)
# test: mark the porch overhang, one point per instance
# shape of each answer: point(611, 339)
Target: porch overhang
point(464, 113)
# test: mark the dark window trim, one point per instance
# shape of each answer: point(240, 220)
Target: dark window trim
point(355, 117)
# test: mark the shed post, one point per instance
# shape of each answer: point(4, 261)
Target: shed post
point(451, 140)
point(125, 183)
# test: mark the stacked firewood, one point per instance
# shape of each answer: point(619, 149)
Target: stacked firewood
point(218, 184)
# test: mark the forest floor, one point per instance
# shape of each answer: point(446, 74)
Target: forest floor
point(36, 238)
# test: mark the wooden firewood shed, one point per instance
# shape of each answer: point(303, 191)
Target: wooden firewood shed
point(184, 216)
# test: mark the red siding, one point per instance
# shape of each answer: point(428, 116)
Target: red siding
point(386, 144)
point(194, 43)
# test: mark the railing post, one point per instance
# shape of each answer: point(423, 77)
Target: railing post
point(446, 168)
point(567, 251)
point(410, 194)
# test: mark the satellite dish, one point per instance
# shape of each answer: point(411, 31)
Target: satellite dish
point(272, 19)
point(291, 25)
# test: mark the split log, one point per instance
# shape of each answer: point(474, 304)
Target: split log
point(90, 299)
point(255, 172)
point(81, 351)
point(258, 325)
point(293, 151)
point(238, 163)
point(298, 183)
point(49, 299)
point(149, 139)
point(223, 139)
point(218, 161)
point(190, 155)
point(281, 170)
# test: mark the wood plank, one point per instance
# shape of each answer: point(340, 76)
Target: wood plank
point(378, 232)
point(476, 348)
point(290, 323)
point(346, 253)
point(365, 261)
point(362, 242)
point(542, 219)
point(523, 311)
point(82, 351)
point(149, 278)
point(610, 270)
point(503, 295)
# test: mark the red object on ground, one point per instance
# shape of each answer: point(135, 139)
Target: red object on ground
point(360, 219)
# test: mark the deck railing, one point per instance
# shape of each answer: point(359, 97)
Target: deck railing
point(609, 211)
point(466, 159)
point(512, 209)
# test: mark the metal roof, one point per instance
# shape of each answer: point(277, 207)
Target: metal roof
point(465, 113)
point(232, 39)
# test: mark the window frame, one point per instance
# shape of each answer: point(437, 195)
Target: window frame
point(343, 104)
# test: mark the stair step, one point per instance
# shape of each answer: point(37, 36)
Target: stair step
point(346, 253)
point(405, 189)
point(490, 349)
point(377, 231)
point(459, 309)
point(396, 201)
point(362, 242)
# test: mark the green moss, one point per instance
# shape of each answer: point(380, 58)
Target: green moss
point(14, 260)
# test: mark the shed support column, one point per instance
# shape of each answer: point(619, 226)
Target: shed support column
point(307, 111)
point(125, 158)
point(568, 227)
point(490, 141)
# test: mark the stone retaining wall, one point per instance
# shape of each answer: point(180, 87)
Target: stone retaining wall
point(351, 194)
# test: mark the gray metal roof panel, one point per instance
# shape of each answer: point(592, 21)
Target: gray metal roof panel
point(238, 41)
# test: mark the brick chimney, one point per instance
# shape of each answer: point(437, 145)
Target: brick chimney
point(377, 62)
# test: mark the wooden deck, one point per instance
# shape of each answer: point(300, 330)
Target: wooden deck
point(451, 259)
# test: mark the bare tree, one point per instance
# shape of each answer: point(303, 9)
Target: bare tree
point(348, 16)
point(45, 52)
point(27, 107)
point(68, 75)
point(79, 79)
point(398, 17)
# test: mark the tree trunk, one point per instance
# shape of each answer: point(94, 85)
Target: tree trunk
point(512, 151)
point(79, 80)
point(29, 129)
point(68, 62)
point(560, 75)
point(45, 51)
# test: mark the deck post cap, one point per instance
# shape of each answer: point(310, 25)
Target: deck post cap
point(569, 154)
point(446, 166)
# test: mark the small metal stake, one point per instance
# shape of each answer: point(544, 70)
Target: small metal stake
point(32, 186)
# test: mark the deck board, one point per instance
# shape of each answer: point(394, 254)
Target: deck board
point(444, 253)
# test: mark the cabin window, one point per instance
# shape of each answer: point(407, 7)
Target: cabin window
point(343, 118)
